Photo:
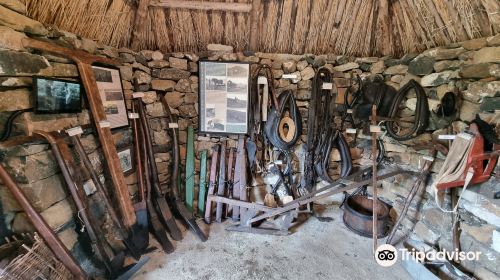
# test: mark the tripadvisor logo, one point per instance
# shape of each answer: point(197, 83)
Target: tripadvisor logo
point(386, 255)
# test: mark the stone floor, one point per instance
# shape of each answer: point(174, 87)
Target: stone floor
point(316, 250)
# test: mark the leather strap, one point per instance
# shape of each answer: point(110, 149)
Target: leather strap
point(421, 112)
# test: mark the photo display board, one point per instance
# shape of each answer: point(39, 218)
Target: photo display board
point(55, 96)
point(224, 92)
point(110, 88)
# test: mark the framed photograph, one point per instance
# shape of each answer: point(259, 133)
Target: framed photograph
point(110, 88)
point(126, 157)
point(224, 89)
point(54, 96)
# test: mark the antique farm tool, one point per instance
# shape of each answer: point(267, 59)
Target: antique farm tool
point(230, 177)
point(62, 153)
point(137, 239)
point(422, 176)
point(179, 207)
point(421, 119)
point(157, 227)
point(202, 192)
point(287, 211)
point(240, 177)
point(211, 184)
point(221, 187)
point(53, 242)
point(84, 63)
point(75, 187)
point(189, 168)
point(159, 193)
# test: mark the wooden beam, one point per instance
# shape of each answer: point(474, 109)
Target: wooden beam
point(84, 63)
point(202, 5)
point(254, 25)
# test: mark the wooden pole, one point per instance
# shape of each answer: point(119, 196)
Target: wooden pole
point(374, 178)
point(203, 5)
point(254, 27)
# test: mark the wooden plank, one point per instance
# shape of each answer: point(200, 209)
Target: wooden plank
point(203, 5)
point(254, 25)
point(190, 168)
point(84, 63)
point(202, 192)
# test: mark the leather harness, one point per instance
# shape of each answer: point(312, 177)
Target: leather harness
point(322, 134)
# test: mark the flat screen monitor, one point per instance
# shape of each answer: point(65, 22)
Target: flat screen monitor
point(57, 96)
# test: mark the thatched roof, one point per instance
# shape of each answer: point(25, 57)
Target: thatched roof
point(353, 27)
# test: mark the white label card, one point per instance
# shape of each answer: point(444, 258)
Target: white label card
point(104, 124)
point(349, 111)
point(173, 125)
point(428, 158)
point(446, 137)
point(278, 162)
point(289, 76)
point(138, 95)
point(133, 115)
point(262, 80)
point(327, 86)
point(74, 131)
point(350, 130)
point(375, 129)
point(465, 136)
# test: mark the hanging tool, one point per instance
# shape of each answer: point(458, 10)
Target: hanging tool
point(175, 199)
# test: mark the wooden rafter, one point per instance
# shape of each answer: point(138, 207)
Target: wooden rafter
point(202, 5)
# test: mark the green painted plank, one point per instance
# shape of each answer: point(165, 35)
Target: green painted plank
point(202, 192)
point(190, 168)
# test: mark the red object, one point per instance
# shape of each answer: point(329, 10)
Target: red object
point(477, 158)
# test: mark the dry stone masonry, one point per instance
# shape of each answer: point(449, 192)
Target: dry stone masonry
point(473, 67)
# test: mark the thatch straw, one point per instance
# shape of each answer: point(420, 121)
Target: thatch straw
point(301, 26)
point(267, 36)
point(317, 16)
point(202, 27)
point(242, 29)
point(284, 24)
point(351, 27)
point(160, 30)
point(216, 26)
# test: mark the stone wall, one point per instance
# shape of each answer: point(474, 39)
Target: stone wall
point(471, 66)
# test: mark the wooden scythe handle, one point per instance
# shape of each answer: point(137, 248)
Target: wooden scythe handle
point(84, 63)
